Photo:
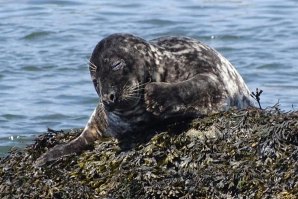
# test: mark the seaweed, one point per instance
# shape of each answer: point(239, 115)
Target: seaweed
point(250, 153)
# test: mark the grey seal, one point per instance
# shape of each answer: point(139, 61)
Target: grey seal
point(140, 83)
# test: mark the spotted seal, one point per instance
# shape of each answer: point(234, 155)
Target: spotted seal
point(142, 82)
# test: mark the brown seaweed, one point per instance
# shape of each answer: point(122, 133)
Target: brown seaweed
point(251, 153)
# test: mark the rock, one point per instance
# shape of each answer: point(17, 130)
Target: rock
point(251, 153)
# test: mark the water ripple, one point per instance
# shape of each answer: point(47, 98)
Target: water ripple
point(37, 35)
point(45, 44)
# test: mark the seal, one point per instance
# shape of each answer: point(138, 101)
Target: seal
point(141, 83)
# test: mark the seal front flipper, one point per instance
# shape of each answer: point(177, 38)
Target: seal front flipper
point(199, 95)
point(158, 97)
point(96, 125)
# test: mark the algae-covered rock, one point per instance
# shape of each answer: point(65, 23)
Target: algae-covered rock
point(251, 153)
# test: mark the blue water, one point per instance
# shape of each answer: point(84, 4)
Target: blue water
point(45, 44)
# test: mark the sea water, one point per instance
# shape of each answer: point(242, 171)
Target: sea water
point(45, 45)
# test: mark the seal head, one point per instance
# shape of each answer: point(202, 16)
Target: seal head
point(118, 71)
point(141, 83)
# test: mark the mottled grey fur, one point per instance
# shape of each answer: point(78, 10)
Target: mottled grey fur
point(140, 83)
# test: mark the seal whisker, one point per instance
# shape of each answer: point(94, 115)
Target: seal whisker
point(133, 94)
point(201, 82)
point(129, 97)
point(139, 85)
point(136, 91)
point(92, 66)
point(133, 89)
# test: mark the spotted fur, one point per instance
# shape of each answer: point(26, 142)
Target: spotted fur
point(140, 83)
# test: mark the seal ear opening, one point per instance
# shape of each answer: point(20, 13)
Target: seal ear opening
point(112, 97)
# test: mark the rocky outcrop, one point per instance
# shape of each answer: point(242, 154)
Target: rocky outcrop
point(252, 153)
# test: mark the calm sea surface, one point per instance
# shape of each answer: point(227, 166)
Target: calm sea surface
point(45, 44)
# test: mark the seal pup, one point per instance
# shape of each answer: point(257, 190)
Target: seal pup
point(142, 82)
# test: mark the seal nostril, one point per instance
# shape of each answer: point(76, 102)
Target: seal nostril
point(112, 97)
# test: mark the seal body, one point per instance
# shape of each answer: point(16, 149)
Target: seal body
point(140, 83)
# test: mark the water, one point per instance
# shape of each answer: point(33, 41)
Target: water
point(45, 44)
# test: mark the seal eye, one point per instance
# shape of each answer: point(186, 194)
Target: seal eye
point(118, 65)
